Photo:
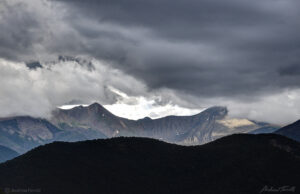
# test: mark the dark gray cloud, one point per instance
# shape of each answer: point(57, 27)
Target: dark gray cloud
point(206, 48)
point(290, 70)
point(181, 19)
point(14, 35)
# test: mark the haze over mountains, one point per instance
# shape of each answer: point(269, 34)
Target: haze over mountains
point(95, 122)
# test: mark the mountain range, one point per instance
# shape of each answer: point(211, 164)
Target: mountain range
point(95, 122)
point(188, 130)
point(240, 163)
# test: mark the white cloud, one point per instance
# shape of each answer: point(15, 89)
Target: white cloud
point(38, 92)
point(279, 108)
point(139, 107)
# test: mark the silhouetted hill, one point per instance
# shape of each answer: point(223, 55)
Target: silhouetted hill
point(291, 131)
point(7, 154)
point(234, 164)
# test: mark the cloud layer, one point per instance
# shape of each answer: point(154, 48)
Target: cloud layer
point(194, 54)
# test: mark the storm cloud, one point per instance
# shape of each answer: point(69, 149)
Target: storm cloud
point(206, 48)
point(193, 53)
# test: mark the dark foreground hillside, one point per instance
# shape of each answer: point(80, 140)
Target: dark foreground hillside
point(234, 164)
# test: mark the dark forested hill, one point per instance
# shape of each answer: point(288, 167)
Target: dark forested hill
point(234, 164)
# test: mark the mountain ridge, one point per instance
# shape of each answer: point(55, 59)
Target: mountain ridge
point(195, 129)
point(96, 122)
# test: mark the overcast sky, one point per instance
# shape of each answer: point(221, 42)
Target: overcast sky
point(152, 57)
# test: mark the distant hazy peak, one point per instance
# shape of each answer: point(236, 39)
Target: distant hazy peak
point(219, 112)
point(97, 108)
point(34, 65)
point(95, 105)
point(81, 61)
point(145, 119)
point(92, 109)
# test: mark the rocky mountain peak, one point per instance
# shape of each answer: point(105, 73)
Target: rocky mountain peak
point(145, 119)
point(218, 112)
point(97, 108)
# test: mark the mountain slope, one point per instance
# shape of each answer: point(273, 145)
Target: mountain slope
point(197, 129)
point(24, 133)
point(268, 129)
point(233, 164)
point(7, 154)
point(291, 131)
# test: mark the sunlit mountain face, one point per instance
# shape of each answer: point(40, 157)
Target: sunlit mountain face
point(194, 96)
